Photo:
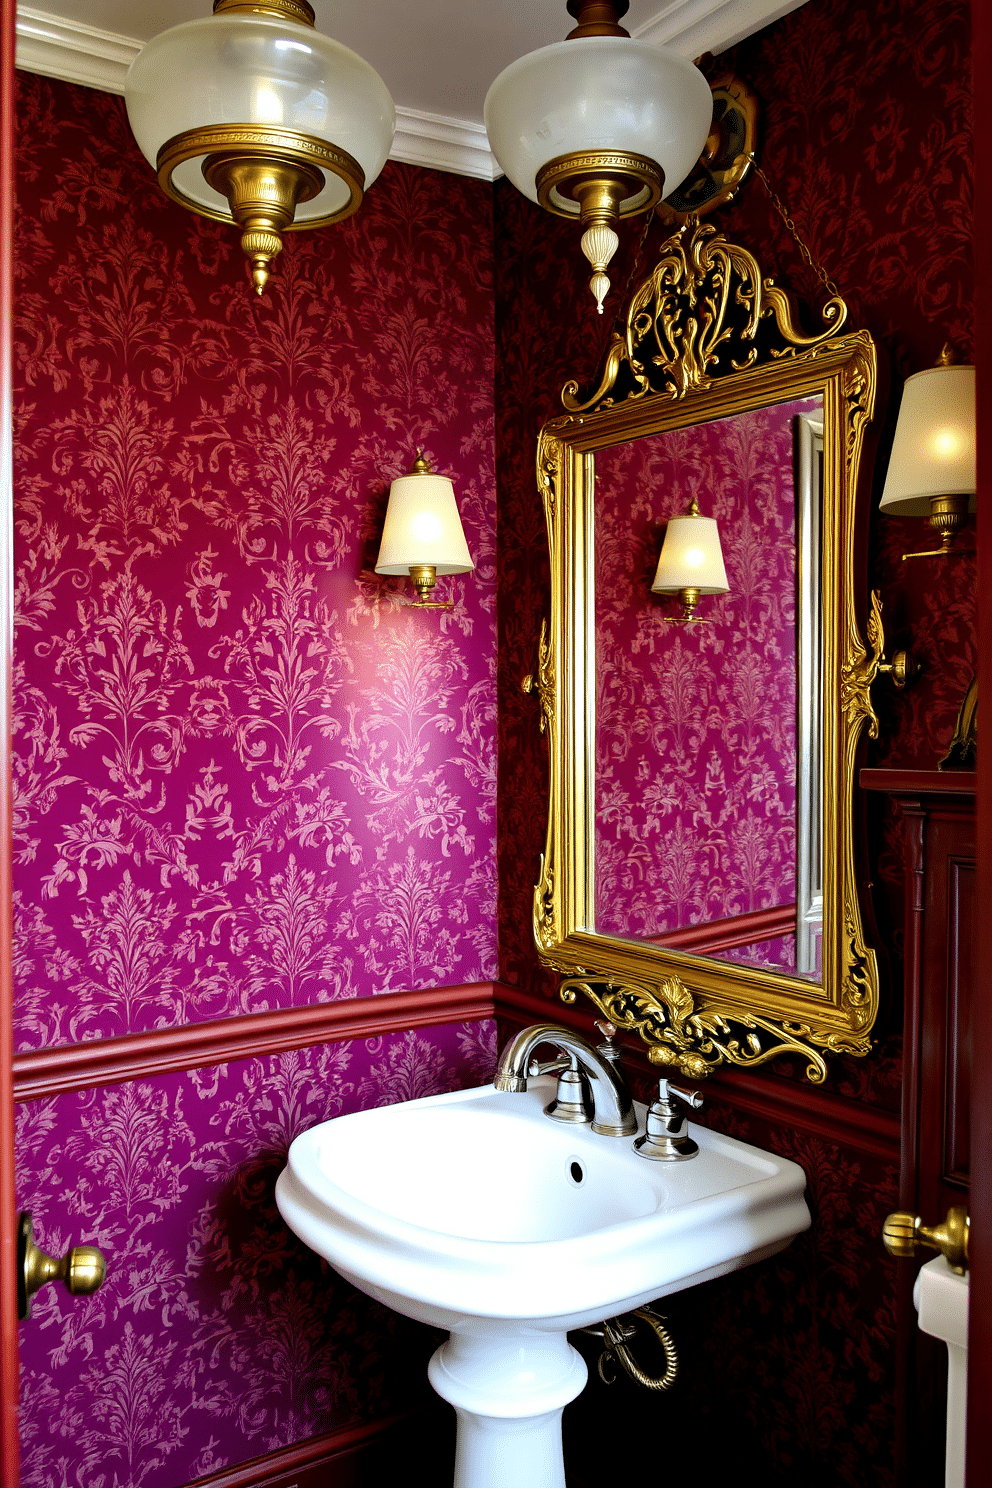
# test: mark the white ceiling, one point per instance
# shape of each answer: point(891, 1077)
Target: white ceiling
point(437, 58)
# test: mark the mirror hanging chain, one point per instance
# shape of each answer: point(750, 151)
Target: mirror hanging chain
point(793, 231)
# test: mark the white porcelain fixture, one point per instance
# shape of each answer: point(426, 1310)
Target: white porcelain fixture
point(474, 1212)
point(941, 1298)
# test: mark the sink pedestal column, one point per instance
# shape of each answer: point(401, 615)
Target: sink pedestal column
point(508, 1387)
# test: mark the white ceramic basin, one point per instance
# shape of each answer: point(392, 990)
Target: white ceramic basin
point(477, 1213)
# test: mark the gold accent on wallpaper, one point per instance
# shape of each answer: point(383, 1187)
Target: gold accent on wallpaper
point(706, 338)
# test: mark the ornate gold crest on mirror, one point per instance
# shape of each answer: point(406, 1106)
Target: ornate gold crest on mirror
point(699, 880)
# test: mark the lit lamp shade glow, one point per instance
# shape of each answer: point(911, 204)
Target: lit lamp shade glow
point(691, 558)
point(259, 70)
point(607, 93)
point(933, 453)
point(423, 528)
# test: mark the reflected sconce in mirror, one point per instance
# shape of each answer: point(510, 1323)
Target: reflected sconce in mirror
point(691, 563)
point(598, 127)
point(932, 467)
point(252, 116)
point(422, 535)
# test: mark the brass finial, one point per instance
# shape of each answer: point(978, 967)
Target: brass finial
point(421, 465)
point(948, 356)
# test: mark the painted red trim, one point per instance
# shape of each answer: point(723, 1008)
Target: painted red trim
point(318, 1452)
point(734, 930)
point(9, 1455)
point(920, 782)
point(980, 1200)
point(138, 1056)
point(794, 1103)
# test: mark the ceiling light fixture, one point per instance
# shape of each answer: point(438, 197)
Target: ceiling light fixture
point(251, 116)
point(598, 127)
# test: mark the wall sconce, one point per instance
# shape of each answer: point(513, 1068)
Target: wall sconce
point(422, 535)
point(932, 467)
point(691, 563)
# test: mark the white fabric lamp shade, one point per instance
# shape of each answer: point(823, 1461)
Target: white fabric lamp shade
point(691, 558)
point(933, 453)
point(423, 528)
point(597, 93)
point(262, 71)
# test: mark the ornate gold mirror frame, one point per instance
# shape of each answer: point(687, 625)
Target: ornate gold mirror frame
point(707, 337)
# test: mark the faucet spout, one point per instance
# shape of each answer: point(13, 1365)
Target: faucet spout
point(613, 1109)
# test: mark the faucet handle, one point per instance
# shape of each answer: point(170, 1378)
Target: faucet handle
point(549, 1066)
point(691, 1098)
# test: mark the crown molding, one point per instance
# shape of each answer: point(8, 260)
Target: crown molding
point(77, 53)
point(72, 51)
point(690, 28)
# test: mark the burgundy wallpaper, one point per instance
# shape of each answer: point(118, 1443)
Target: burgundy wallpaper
point(247, 777)
point(217, 1335)
point(866, 134)
point(696, 725)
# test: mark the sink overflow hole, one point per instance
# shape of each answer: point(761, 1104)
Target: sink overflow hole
point(576, 1172)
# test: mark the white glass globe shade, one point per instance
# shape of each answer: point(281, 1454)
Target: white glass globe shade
point(598, 93)
point(250, 69)
point(933, 452)
point(423, 527)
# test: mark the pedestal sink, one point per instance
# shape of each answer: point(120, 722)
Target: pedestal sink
point(476, 1213)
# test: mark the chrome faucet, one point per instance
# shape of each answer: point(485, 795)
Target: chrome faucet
point(591, 1085)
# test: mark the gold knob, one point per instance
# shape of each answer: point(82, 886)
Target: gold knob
point(82, 1269)
point(902, 1233)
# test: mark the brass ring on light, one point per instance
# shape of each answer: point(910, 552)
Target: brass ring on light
point(643, 179)
point(278, 10)
point(269, 140)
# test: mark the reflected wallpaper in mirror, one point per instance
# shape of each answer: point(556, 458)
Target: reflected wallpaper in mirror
point(696, 725)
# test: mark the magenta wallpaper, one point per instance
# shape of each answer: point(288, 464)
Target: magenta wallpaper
point(696, 736)
point(247, 777)
point(217, 1335)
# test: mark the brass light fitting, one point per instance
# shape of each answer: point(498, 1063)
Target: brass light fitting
point(561, 125)
point(422, 535)
point(232, 141)
point(932, 466)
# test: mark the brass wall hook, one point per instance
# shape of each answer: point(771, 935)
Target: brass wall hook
point(903, 668)
point(902, 1233)
point(82, 1268)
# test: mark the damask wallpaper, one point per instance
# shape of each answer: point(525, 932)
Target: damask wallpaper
point(866, 136)
point(217, 1335)
point(696, 725)
point(247, 776)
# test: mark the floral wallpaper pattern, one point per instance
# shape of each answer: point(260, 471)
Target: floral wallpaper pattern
point(866, 135)
point(217, 1335)
point(247, 776)
point(696, 726)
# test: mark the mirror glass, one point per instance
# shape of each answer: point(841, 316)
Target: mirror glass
point(708, 770)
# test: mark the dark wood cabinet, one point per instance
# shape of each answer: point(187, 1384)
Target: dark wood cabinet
point(938, 817)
